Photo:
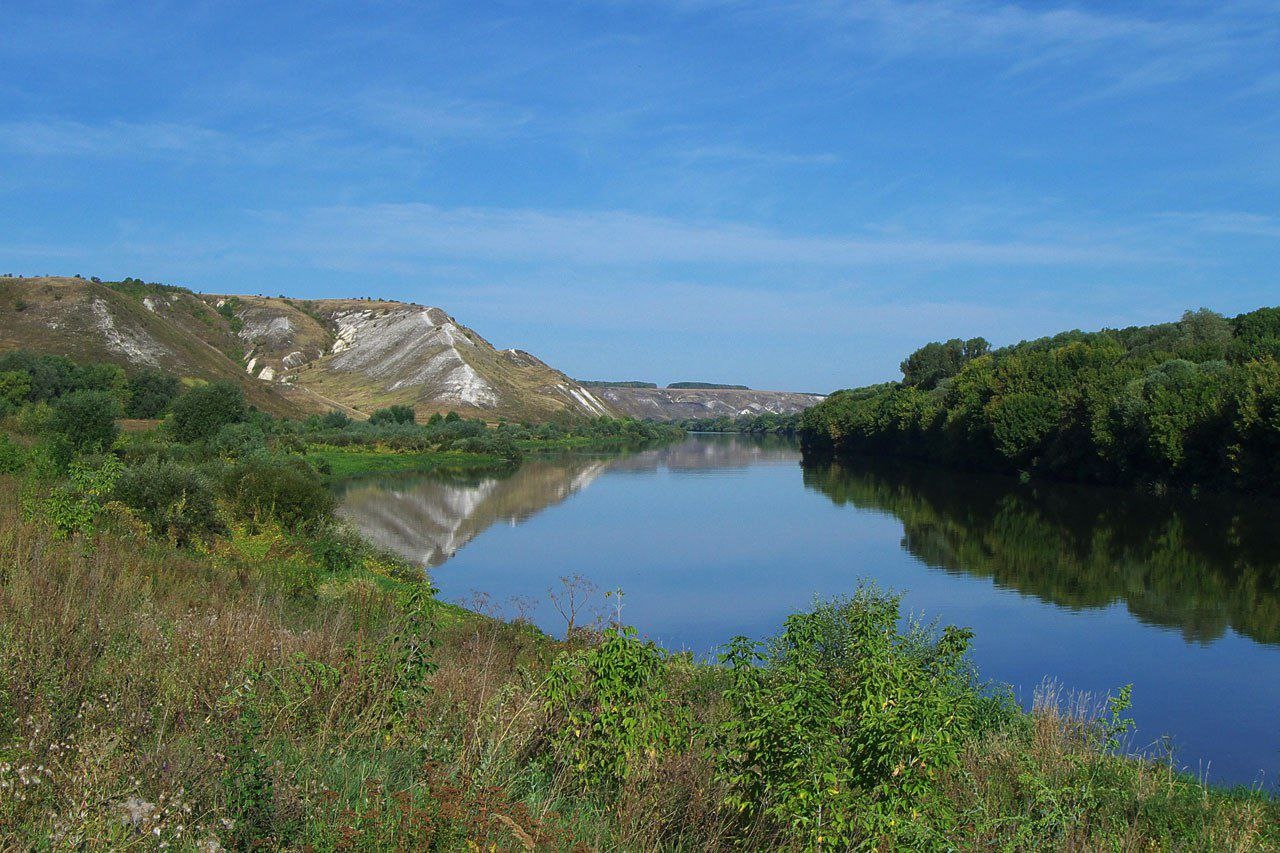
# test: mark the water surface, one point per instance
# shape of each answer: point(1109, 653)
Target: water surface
point(726, 535)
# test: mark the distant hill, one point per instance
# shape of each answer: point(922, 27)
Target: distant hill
point(291, 356)
point(675, 404)
point(707, 386)
point(595, 383)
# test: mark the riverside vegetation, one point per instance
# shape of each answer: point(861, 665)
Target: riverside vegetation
point(1189, 404)
point(195, 654)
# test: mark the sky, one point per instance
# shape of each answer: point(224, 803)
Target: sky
point(789, 195)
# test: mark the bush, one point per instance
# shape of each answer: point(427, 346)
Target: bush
point(284, 490)
point(15, 386)
point(198, 414)
point(13, 457)
point(610, 711)
point(239, 441)
point(150, 393)
point(841, 727)
point(87, 419)
point(335, 420)
point(173, 499)
point(74, 504)
point(392, 415)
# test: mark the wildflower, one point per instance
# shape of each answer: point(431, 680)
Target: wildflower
point(137, 810)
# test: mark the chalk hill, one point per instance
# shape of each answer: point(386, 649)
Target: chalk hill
point(291, 356)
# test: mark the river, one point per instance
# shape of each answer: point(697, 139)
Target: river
point(725, 535)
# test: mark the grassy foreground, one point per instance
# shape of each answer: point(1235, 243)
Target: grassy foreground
point(242, 693)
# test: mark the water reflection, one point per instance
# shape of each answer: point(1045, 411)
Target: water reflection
point(429, 518)
point(1200, 565)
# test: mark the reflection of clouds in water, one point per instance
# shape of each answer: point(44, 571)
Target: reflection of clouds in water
point(428, 518)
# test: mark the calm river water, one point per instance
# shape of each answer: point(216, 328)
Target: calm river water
point(726, 535)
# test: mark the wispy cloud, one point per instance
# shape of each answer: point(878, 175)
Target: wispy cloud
point(1124, 49)
point(355, 236)
point(1228, 222)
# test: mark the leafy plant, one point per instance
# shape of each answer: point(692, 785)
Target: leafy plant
point(610, 713)
point(840, 727)
point(173, 499)
point(198, 414)
point(73, 504)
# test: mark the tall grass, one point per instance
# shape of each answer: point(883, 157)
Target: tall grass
point(238, 695)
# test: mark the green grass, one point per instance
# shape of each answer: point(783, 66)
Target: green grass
point(350, 463)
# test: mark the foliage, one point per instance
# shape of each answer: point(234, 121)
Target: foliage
point(393, 415)
point(1190, 403)
point(609, 711)
point(74, 504)
point(86, 419)
point(15, 387)
point(764, 424)
point(49, 377)
point(173, 499)
point(200, 413)
point(283, 490)
point(150, 393)
point(842, 727)
point(708, 386)
point(934, 362)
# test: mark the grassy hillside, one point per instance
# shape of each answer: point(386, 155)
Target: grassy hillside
point(291, 356)
point(130, 324)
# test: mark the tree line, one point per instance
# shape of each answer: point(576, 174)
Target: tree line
point(1190, 403)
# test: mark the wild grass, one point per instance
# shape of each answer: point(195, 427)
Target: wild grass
point(239, 695)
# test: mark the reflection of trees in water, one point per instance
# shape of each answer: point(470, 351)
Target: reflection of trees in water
point(1198, 564)
point(428, 518)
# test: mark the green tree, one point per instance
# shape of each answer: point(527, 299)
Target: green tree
point(198, 414)
point(86, 419)
point(392, 415)
point(150, 393)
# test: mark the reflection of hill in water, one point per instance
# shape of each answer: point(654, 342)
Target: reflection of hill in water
point(1200, 565)
point(428, 518)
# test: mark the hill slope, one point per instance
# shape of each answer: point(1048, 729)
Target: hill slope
point(669, 404)
point(291, 356)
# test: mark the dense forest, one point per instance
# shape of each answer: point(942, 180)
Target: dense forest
point(1194, 403)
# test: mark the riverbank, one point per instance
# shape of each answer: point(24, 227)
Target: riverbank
point(269, 687)
point(338, 463)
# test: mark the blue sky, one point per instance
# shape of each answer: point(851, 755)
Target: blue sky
point(785, 194)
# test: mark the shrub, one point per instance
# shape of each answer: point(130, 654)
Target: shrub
point(13, 457)
point(239, 441)
point(610, 712)
point(285, 490)
point(335, 420)
point(87, 419)
point(150, 393)
point(15, 386)
point(74, 503)
point(173, 499)
point(392, 415)
point(198, 414)
point(840, 728)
